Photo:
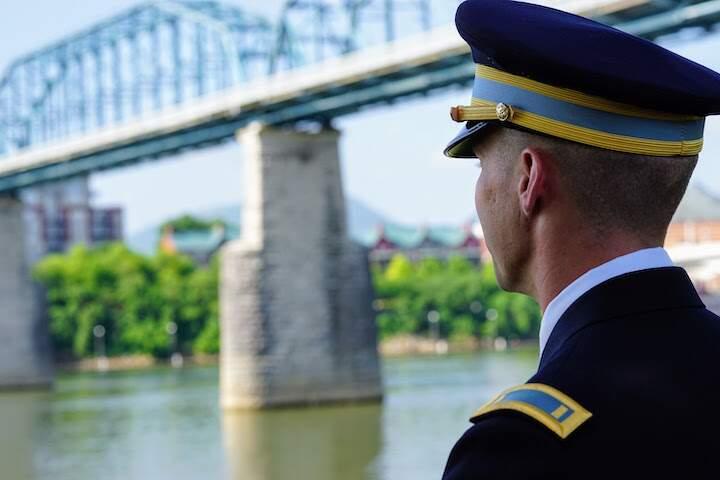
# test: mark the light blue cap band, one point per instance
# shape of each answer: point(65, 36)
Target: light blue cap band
point(647, 128)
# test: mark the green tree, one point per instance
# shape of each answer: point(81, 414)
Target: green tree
point(134, 297)
point(467, 298)
point(202, 305)
point(399, 269)
point(188, 222)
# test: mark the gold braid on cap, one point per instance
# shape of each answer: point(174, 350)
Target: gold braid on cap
point(498, 111)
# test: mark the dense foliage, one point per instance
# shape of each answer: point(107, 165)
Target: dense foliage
point(136, 299)
point(462, 299)
point(140, 301)
point(189, 223)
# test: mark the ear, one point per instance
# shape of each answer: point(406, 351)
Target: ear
point(533, 180)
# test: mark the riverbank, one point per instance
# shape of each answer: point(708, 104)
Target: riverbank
point(412, 345)
point(133, 362)
point(398, 346)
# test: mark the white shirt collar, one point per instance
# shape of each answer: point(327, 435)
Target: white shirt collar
point(640, 260)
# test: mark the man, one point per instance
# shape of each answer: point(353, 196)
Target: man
point(587, 139)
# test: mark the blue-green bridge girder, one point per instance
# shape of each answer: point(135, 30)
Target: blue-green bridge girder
point(170, 54)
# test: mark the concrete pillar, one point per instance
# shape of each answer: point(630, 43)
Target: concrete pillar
point(297, 325)
point(25, 359)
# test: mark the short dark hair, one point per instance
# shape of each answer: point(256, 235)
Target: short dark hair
point(616, 190)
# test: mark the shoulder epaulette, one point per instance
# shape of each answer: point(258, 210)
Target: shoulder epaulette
point(547, 405)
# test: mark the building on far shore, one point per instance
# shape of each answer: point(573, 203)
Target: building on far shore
point(60, 215)
point(200, 244)
point(697, 219)
point(693, 241)
point(382, 242)
point(417, 243)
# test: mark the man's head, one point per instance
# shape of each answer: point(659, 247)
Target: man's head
point(535, 189)
point(615, 124)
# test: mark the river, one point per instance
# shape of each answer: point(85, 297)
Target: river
point(165, 424)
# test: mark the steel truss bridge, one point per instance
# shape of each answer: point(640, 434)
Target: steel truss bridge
point(169, 76)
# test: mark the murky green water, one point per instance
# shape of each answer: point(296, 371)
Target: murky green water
point(166, 424)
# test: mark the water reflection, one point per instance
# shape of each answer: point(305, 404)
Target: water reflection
point(18, 417)
point(326, 443)
point(166, 424)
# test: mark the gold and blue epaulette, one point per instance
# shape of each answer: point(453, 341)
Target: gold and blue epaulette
point(547, 405)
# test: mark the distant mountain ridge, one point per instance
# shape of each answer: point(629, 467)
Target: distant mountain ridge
point(361, 219)
point(698, 204)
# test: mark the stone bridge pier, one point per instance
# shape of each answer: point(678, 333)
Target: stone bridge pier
point(297, 325)
point(25, 359)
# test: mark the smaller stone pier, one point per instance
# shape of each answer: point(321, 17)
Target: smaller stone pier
point(25, 359)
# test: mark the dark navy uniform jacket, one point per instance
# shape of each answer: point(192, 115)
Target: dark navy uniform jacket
point(639, 357)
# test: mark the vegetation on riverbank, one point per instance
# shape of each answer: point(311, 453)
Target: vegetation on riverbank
point(111, 300)
point(455, 300)
point(145, 305)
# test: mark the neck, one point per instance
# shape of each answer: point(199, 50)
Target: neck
point(559, 261)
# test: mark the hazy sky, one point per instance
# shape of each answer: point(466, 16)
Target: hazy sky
point(391, 157)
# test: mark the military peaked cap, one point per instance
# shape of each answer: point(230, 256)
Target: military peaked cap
point(559, 74)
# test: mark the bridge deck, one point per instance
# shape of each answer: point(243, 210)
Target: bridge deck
point(319, 92)
point(411, 66)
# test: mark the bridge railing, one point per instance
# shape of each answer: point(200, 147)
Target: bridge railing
point(165, 54)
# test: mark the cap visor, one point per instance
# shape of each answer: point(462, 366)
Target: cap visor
point(461, 145)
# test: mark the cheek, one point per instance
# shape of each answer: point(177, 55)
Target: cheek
point(483, 196)
point(478, 199)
